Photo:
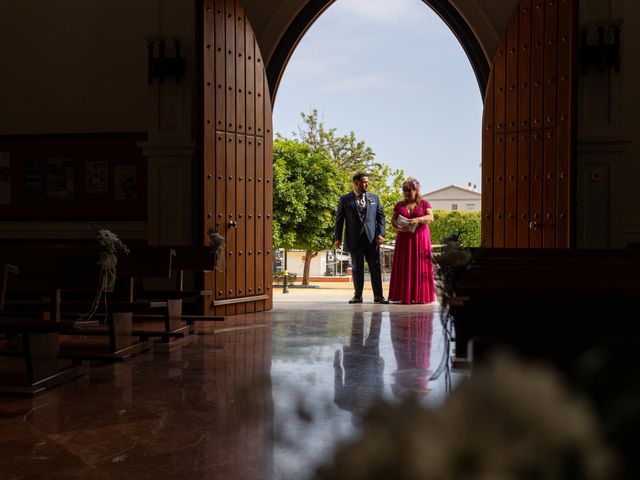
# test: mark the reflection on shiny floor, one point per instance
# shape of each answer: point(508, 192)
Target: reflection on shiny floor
point(266, 399)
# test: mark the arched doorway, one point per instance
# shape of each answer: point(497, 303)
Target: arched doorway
point(224, 97)
point(528, 158)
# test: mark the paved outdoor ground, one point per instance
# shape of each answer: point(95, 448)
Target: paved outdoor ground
point(332, 295)
point(324, 292)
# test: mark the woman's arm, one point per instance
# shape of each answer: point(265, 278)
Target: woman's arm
point(394, 222)
point(426, 219)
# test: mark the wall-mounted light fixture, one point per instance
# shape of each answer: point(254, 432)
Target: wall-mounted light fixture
point(162, 66)
point(601, 54)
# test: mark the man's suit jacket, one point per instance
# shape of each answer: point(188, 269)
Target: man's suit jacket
point(374, 222)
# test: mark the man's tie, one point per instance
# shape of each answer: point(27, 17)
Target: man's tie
point(361, 210)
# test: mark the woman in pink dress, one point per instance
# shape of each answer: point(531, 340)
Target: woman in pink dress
point(412, 270)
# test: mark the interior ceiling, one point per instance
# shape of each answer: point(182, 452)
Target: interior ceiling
point(271, 18)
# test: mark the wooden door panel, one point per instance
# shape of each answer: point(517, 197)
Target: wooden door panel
point(230, 67)
point(524, 66)
point(260, 233)
point(498, 190)
point(260, 93)
point(237, 159)
point(511, 81)
point(221, 209)
point(486, 226)
point(550, 63)
point(524, 164)
point(499, 102)
point(230, 220)
point(250, 81)
point(511, 193)
point(537, 157)
point(241, 231)
point(268, 201)
point(527, 176)
point(220, 61)
point(241, 96)
point(567, 53)
point(537, 63)
point(250, 195)
point(549, 189)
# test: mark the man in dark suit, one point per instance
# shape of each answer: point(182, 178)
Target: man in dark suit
point(364, 233)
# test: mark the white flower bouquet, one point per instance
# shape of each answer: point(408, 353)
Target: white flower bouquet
point(109, 245)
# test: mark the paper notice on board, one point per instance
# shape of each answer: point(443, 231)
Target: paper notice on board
point(125, 182)
point(5, 178)
point(60, 177)
point(32, 178)
point(95, 178)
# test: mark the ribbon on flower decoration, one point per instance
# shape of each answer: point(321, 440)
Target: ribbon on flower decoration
point(216, 242)
point(109, 245)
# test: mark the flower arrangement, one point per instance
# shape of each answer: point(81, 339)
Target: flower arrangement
point(216, 242)
point(451, 262)
point(109, 245)
point(508, 421)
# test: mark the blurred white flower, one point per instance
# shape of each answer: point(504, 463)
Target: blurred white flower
point(508, 421)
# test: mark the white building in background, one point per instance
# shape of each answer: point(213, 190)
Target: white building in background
point(322, 264)
point(455, 197)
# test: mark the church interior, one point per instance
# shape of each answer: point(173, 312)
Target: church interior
point(153, 120)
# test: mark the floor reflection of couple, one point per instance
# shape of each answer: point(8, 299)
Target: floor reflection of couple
point(359, 367)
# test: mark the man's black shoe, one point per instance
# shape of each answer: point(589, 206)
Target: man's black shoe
point(380, 300)
point(356, 300)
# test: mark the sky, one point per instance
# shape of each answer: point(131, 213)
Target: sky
point(394, 74)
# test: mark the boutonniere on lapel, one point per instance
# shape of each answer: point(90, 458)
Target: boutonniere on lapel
point(370, 202)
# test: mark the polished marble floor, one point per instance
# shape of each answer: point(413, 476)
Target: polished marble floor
point(268, 397)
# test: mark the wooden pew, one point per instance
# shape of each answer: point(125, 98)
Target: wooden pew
point(34, 363)
point(154, 262)
point(549, 303)
point(6, 270)
point(60, 281)
point(194, 259)
point(188, 259)
point(36, 353)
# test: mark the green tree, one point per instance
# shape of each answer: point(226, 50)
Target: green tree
point(464, 224)
point(346, 151)
point(306, 187)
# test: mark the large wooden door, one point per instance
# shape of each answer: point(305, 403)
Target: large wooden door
point(528, 140)
point(237, 159)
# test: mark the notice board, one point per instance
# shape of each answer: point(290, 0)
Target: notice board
point(73, 176)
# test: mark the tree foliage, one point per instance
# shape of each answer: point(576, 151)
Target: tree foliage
point(306, 187)
point(346, 151)
point(466, 225)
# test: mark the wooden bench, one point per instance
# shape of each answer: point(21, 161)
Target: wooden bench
point(30, 363)
point(59, 282)
point(188, 259)
point(194, 259)
point(33, 364)
point(550, 303)
point(4, 278)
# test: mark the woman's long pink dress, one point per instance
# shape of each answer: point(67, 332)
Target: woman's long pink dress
point(412, 269)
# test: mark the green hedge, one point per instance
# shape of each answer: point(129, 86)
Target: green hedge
point(279, 276)
point(464, 224)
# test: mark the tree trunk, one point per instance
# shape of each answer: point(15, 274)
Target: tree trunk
point(309, 254)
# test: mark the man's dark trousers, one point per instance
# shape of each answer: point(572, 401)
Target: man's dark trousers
point(371, 252)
